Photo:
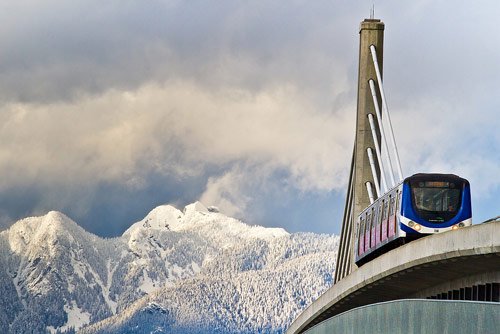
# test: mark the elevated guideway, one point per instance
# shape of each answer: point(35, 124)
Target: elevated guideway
point(462, 264)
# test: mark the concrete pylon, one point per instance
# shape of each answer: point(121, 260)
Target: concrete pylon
point(371, 33)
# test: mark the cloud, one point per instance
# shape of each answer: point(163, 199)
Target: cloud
point(105, 98)
point(174, 128)
point(54, 50)
point(448, 136)
point(225, 192)
point(178, 130)
point(227, 101)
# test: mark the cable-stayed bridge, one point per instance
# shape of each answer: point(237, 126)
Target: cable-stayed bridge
point(455, 271)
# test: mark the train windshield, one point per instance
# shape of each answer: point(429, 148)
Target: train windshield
point(436, 201)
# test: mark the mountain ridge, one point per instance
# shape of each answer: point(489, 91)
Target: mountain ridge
point(58, 277)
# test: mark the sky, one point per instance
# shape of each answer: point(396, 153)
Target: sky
point(109, 109)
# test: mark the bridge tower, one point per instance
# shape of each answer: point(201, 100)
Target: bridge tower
point(371, 32)
point(460, 265)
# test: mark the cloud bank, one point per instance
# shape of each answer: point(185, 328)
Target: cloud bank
point(108, 109)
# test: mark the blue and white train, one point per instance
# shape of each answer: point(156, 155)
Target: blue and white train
point(420, 205)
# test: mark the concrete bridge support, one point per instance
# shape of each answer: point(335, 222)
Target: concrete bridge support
point(371, 33)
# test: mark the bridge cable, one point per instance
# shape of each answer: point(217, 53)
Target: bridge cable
point(377, 150)
point(385, 109)
point(374, 171)
point(370, 191)
point(343, 265)
point(382, 132)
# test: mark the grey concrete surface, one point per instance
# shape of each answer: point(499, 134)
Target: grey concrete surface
point(416, 316)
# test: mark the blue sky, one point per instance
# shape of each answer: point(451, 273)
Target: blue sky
point(109, 110)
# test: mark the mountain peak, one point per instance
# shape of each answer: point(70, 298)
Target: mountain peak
point(39, 230)
point(168, 217)
point(196, 206)
point(57, 217)
point(162, 217)
point(56, 222)
point(197, 217)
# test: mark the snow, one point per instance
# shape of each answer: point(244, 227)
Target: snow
point(264, 233)
point(163, 217)
point(16, 282)
point(78, 268)
point(195, 207)
point(177, 271)
point(77, 318)
point(21, 233)
point(71, 287)
point(197, 218)
point(106, 294)
point(105, 287)
point(203, 262)
point(147, 285)
point(196, 268)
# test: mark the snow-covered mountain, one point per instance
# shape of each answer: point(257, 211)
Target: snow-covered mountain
point(195, 271)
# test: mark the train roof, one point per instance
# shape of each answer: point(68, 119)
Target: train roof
point(435, 176)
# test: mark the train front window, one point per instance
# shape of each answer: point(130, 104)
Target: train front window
point(436, 201)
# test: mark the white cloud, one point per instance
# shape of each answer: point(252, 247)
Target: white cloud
point(449, 136)
point(226, 193)
point(175, 128)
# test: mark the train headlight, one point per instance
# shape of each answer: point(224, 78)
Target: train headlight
point(457, 226)
point(414, 225)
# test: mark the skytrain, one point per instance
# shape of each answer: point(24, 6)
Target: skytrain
point(420, 205)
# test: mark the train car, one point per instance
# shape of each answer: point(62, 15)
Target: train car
point(420, 205)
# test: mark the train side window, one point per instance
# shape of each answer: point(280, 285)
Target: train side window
point(368, 223)
point(381, 212)
point(389, 206)
point(386, 209)
point(362, 225)
point(398, 199)
point(392, 206)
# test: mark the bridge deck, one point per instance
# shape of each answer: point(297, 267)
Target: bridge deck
point(417, 269)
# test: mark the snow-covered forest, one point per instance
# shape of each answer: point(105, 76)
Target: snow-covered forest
point(190, 271)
